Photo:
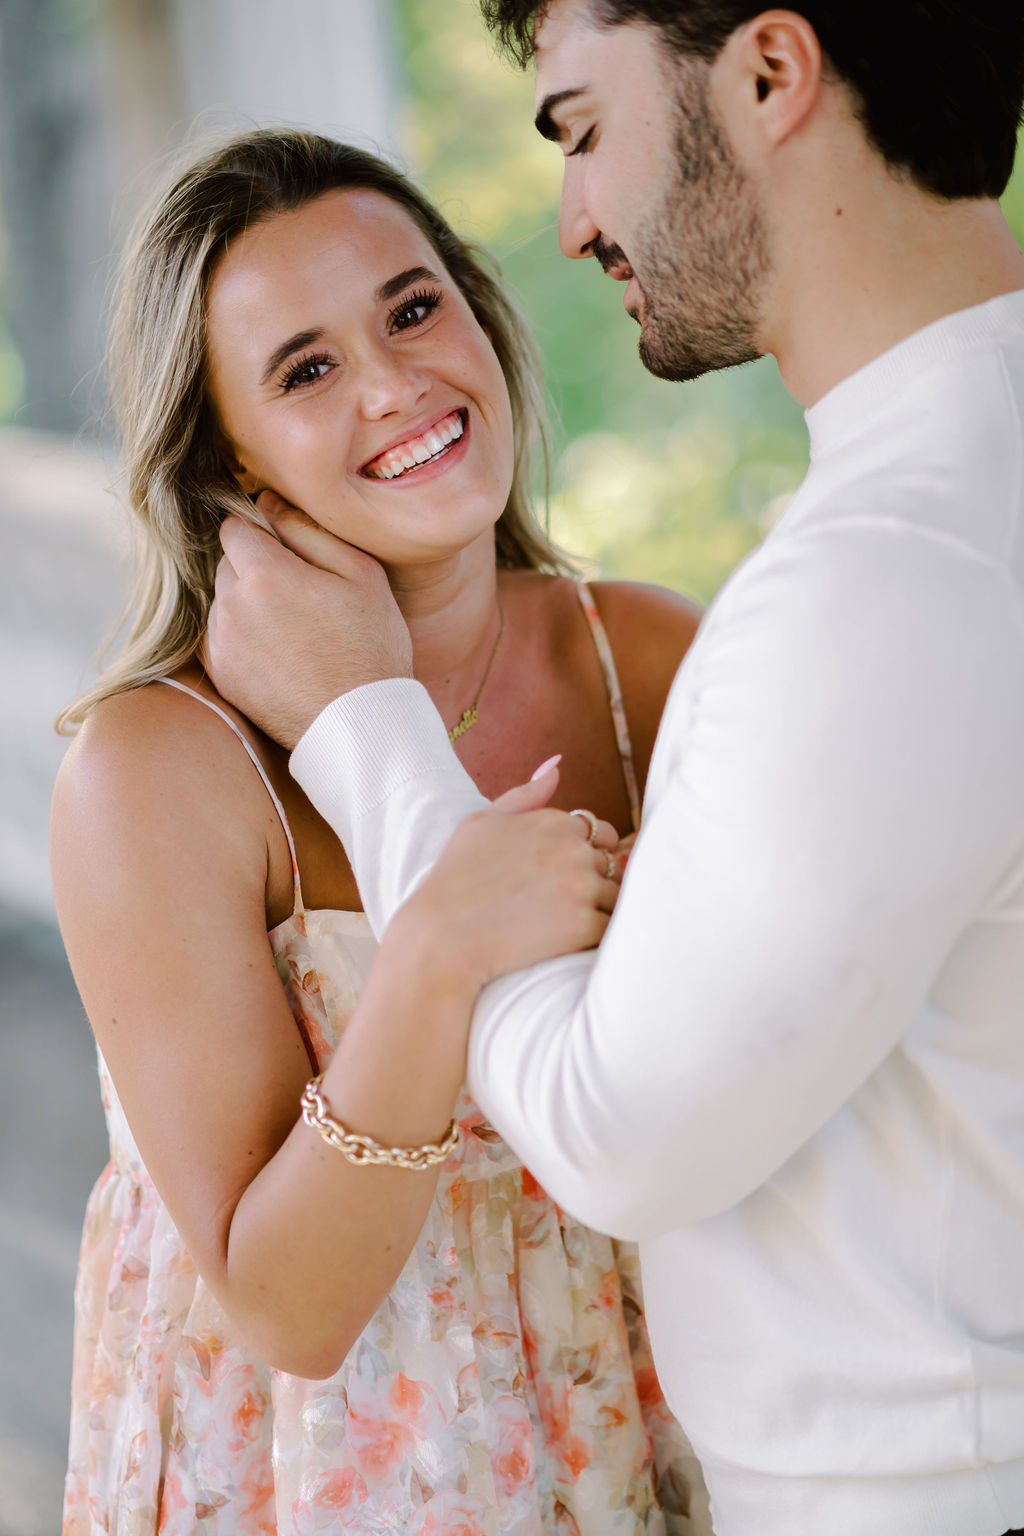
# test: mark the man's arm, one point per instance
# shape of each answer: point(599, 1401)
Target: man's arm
point(379, 767)
point(831, 803)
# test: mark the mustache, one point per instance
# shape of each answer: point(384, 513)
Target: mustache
point(609, 255)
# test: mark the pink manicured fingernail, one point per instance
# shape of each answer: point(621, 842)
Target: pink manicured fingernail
point(552, 762)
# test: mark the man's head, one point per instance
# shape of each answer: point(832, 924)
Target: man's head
point(658, 180)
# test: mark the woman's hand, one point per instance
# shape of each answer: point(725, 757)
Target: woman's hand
point(515, 885)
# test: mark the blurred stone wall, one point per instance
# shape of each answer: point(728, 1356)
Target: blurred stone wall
point(55, 199)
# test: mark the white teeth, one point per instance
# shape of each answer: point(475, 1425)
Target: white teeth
point(409, 455)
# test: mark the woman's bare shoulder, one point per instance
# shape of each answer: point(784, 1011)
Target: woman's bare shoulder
point(645, 616)
point(150, 773)
point(146, 740)
point(650, 629)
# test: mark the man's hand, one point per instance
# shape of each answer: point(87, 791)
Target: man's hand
point(295, 623)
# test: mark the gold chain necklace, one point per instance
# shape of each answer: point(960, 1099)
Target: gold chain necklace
point(471, 715)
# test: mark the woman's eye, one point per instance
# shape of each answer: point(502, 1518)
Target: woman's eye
point(308, 370)
point(413, 311)
point(583, 144)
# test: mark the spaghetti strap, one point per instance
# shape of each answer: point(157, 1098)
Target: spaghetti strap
point(615, 703)
point(183, 688)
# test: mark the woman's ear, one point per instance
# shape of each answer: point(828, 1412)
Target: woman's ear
point(246, 480)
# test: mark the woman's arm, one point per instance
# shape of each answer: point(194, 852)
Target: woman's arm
point(160, 862)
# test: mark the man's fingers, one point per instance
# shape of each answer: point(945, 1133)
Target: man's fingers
point(312, 543)
point(243, 542)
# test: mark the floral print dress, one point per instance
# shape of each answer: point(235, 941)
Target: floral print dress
point(504, 1386)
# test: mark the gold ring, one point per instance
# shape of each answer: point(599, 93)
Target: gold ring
point(591, 821)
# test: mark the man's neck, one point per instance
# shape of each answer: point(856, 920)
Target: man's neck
point(875, 267)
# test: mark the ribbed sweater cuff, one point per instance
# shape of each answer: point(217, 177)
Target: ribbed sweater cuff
point(365, 745)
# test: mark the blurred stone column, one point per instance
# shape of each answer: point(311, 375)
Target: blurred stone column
point(323, 64)
point(55, 199)
point(144, 101)
point(96, 94)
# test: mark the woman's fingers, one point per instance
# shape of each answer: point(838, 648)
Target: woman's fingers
point(536, 793)
point(608, 865)
point(598, 833)
point(531, 796)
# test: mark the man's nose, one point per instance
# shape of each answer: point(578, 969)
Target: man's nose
point(576, 228)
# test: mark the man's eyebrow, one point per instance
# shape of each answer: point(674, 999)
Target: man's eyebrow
point(293, 344)
point(544, 122)
point(394, 285)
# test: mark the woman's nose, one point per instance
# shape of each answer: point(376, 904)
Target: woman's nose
point(391, 384)
point(576, 229)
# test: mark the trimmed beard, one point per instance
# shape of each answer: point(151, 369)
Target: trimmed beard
point(702, 259)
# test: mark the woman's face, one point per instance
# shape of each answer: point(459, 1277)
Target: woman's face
point(349, 375)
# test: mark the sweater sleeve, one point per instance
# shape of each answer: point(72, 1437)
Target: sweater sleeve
point(379, 767)
point(830, 802)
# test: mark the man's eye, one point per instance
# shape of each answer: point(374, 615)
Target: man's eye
point(306, 370)
point(582, 145)
point(413, 311)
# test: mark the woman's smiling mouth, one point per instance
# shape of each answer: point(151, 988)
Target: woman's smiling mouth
point(413, 453)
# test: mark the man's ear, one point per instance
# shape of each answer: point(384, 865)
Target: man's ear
point(772, 71)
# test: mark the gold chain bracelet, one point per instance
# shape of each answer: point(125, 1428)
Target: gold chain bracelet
point(363, 1149)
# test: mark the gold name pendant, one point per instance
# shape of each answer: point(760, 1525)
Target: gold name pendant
point(469, 717)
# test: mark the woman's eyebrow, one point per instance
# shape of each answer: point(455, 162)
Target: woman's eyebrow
point(394, 285)
point(293, 344)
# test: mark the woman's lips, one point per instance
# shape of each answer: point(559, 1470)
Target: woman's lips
point(419, 450)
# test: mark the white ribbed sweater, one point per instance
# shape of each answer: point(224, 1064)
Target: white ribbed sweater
point(795, 1071)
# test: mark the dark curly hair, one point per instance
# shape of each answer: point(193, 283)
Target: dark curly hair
point(938, 83)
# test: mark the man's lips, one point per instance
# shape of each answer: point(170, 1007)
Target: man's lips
point(415, 449)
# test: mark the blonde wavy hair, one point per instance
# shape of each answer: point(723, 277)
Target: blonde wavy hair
point(175, 479)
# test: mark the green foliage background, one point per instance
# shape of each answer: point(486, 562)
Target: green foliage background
point(652, 481)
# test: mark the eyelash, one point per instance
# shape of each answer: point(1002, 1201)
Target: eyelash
point(428, 299)
point(581, 147)
point(292, 380)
